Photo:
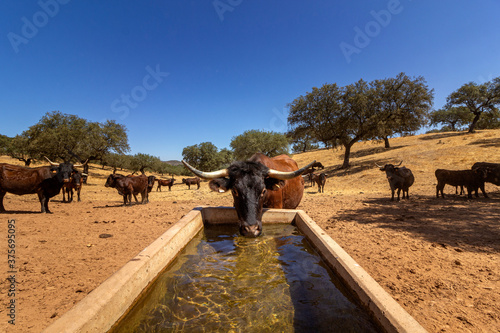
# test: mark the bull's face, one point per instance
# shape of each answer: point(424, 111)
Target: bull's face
point(388, 168)
point(62, 172)
point(111, 181)
point(76, 178)
point(249, 185)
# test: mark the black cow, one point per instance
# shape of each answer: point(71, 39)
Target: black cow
point(400, 178)
point(191, 181)
point(470, 179)
point(76, 183)
point(45, 181)
point(128, 186)
point(260, 182)
point(492, 169)
point(165, 182)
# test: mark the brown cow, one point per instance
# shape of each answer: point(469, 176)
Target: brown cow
point(165, 182)
point(128, 186)
point(470, 179)
point(191, 181)
point(261, 182)
point(75, 183)
point(45, 181)
point(321, 181)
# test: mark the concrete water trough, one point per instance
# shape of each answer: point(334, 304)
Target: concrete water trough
point(109, 302)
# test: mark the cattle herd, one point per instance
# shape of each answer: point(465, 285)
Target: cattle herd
point(473, 179)
point(260, 182)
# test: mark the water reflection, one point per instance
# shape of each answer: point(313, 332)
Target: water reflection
point(226, 283)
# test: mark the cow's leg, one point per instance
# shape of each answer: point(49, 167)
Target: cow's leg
point(158, 188)
point(439, 187)
point(70, 192)
point(78, 193)
point(198, 186)
point(482, 190)
point(170, 188)
point(469, 192)
point(2, 208)
point(399, 192)
point(64, 192)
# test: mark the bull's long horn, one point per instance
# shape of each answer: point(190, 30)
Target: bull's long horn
point(380, 166)
point(282, 175)
point(80, 165)
point(51, 163)
point(207, 175)
point(399, 163)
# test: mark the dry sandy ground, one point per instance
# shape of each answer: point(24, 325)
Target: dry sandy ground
point(439, 258)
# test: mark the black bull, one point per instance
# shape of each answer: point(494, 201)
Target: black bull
point(400, 178)
point(45, 181)
point(261, 182)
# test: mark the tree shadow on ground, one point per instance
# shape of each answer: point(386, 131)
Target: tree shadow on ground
point(371, 151)
point(442, 135)
point(486, 143)
point(471, 225)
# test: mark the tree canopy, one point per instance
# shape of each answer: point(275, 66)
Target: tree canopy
point(452, 118)
point(69, 137)
point(206, 156)
point(479, 99)
point(254, 141)
point(362, 110)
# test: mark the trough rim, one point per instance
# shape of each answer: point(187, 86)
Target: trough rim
point(110, 301)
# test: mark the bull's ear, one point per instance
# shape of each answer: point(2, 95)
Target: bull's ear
point(219, 185)
point(274, 184)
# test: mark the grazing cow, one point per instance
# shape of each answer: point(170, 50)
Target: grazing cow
point(165, 182)
point(400, 178)
point(260, 182)
point(45, 181)
point(75, 183)
point(191, 181)
point(128, 186)
point(321, 181)
point(471, 179)
point(493, 170)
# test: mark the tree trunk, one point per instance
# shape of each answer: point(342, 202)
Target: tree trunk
point(346, 156)
point(473, 125)
point(386, 142)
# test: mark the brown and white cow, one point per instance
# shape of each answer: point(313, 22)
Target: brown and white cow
point(260, 182)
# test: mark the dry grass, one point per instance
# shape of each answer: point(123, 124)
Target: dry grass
point(423, 154)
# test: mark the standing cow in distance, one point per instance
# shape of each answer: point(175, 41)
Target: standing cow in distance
point(165, 182)
point(191, 181)
point(260, 182)
point(470, 179)
point(400, 178)
point(75, 183)
point(321, 181)
point(492, 169)
point(128, 186)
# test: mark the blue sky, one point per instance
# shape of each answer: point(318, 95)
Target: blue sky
point(177, 72)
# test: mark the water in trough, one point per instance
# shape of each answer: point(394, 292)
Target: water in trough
point(222, 282)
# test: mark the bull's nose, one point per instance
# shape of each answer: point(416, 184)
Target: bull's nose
point(252, 230)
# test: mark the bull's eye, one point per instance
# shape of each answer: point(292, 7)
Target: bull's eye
point(235, 193)
point(264, 191)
